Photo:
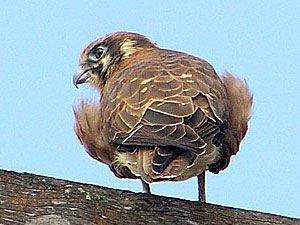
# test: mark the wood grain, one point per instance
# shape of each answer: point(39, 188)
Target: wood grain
point(31, 199)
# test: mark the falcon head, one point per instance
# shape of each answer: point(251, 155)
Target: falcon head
point(99, 60)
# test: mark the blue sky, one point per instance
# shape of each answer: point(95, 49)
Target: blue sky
point(256, 40)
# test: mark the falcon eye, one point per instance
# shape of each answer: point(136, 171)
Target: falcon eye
point(97, 54)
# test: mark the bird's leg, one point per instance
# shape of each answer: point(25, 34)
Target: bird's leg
point(201, 188)
point(146, 187)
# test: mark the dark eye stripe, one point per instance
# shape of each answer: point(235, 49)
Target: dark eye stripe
point(96, 47)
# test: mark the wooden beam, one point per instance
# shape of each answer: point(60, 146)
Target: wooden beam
point(31, 199)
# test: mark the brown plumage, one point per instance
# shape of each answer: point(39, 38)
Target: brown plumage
point(163, 115)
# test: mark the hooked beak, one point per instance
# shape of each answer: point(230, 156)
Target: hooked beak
point(80, 76)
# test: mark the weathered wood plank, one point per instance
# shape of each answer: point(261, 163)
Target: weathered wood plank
point(30, 199)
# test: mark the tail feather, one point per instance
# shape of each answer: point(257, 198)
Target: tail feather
point(161, 163)
point(162, 157)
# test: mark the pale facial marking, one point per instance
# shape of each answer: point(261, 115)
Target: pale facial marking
point(127, 47)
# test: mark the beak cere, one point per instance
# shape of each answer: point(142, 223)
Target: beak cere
point(80, 76)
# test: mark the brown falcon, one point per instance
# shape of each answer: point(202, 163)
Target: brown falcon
point(163, 115)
